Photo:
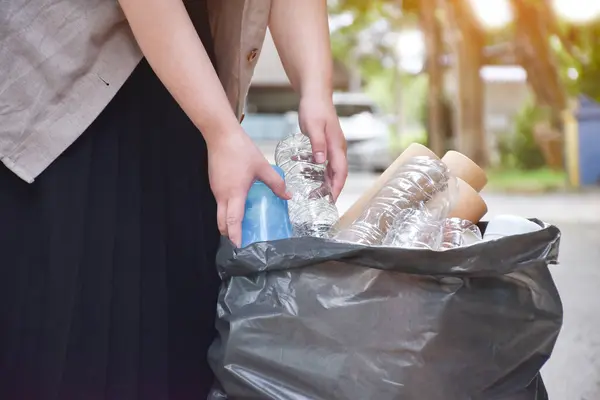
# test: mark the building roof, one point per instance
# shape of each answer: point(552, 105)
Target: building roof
point(503, 73)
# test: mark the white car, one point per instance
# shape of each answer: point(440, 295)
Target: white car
point(373, 155)
point(366, 130)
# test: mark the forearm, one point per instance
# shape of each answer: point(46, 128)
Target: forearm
point(169, 42)
point(300, 31)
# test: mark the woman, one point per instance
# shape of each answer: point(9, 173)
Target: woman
point(120, 176)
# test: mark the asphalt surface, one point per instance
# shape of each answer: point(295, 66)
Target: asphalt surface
point(573, 372)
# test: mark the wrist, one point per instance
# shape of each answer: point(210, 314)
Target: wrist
point(315, 97)
point(219, 132)
point(317, 90)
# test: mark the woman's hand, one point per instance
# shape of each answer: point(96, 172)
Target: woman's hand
point(234, 162)
point(305, 51)
point(164, 31)
point(319, 121)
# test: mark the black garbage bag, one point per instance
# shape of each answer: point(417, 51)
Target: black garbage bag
point(308, 318)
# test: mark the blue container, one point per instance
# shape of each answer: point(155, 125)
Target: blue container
point(266, 215)
point(588, 117)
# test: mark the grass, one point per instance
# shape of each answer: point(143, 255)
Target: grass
point(543, 180)
point(536, 181)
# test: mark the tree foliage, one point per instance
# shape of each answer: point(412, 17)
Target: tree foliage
point(578, 49)
point(365, 34)
point(557, 55)
point(364, 37)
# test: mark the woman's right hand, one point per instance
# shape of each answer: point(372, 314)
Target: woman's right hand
point(234, 162)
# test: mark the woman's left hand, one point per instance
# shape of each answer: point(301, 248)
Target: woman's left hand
point(319, 121)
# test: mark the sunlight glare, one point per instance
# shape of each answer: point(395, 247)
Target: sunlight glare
point(577, 10)
point(492, 13)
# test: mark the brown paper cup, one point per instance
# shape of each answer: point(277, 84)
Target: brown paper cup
point(464, 168)
point(469, 205)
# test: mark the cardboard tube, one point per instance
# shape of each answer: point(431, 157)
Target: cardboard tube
point(470, 205)
point(355, 211)
point(464, 168)
point(392, 198)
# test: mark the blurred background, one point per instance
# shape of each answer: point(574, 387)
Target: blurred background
point(513, 84)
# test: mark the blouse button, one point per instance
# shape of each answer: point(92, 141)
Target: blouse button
point(252, 55)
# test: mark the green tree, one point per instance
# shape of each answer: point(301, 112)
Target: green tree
point(366, 38)
point(578, 50)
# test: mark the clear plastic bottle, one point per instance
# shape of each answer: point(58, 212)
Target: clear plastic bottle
point(458, 232)
point(416, 229)
point(422, 183)
point(312, 209)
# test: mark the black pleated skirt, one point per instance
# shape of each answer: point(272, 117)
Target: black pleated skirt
point(107, 277)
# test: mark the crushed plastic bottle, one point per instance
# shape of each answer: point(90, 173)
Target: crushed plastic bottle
point(413, 186)
point(312, 209)
point(415, 229)
point(458, 232)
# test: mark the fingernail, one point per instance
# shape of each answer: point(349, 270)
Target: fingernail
point(288, 195)
point(320, 157)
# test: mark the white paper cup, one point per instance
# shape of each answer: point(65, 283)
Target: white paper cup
point(509, 225)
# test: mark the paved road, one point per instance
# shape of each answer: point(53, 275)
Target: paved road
point(573, 372)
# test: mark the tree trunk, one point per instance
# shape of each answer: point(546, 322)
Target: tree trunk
point(467, 41)
point(535, 55)
point(433, 43)
point(355, 75)
point(398, 104)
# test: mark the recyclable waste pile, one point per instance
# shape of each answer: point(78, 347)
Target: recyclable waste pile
point(419, 202)
point(406, 295)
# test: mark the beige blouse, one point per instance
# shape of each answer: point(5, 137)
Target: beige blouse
point(62, 61)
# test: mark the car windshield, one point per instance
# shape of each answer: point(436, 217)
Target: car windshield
point(348, 110)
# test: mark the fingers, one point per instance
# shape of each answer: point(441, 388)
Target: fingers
point(233, 221)
point(318, 140)
point(339, 172)
point(269, 177)
point(222, 217)
point(338, 163)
